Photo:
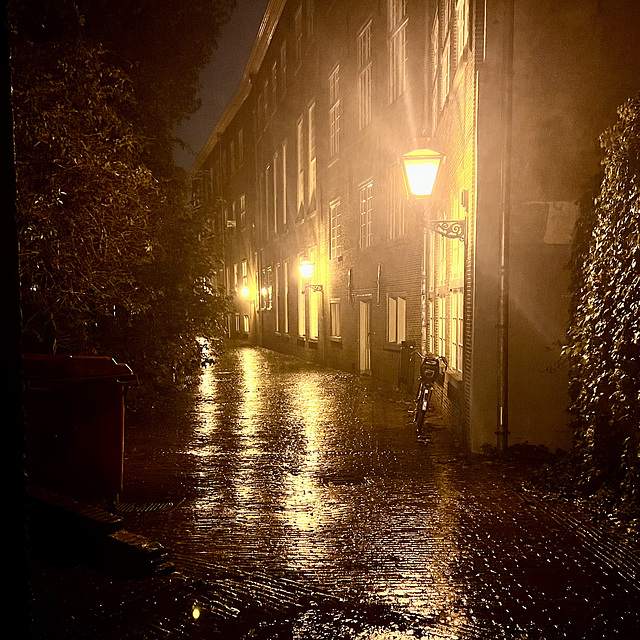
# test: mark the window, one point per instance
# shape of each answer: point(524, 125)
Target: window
point(456, 247)
point(224, 165)
point(243, 212)
point(431, 332)
point(315, 300)
point(396, 319)
point(240, 147)
point(274, 210)
point(311, 122)
point(397, 12)
point(311, 10)
point(462, 28)
point(445, 65)
point(397, 48)
point(264, 291)
point(283, 68)
point(364, 77)
point(431, 264)
point(314, 311)
point(441, 275)
point(298, 34)
point(334, 112)
point(261, 201)
point(336, 230)
point(286, 298)
point(245, 273)
point(283, 198)
point(268, 202)
point(457, 329)
point(446, 70)
point(366, 208)
point(335, 330)
point(441, 326)
point(301, 163)
point(232, 156)
point(302, 319)
point(397, 200)
point(266, 100)
point(274, 86)
point(435, 70)
point(260, 108)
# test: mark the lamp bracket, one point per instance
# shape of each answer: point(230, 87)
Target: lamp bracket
point(315, 287)
point(452, 229)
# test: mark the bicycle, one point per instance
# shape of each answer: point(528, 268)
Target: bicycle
point(430, 368)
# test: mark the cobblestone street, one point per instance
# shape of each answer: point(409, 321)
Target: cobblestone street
point(297, 502)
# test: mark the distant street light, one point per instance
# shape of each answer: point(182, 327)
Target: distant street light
point(306, 268)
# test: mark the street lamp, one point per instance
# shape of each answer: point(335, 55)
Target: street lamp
point(420, 169)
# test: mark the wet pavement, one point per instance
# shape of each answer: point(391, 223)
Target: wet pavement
point(298, 502)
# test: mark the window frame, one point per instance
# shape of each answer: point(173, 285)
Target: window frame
point(365, 76)
point(334, 112)
point(365, 193)
point(335, 236)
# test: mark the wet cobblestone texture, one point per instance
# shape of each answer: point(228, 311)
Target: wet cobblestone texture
point(297, 502)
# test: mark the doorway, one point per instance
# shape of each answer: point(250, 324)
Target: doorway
point(364, 337)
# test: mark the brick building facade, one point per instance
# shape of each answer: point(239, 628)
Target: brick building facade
point(304, 167)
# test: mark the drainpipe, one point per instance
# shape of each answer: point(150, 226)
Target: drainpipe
point(502, 431)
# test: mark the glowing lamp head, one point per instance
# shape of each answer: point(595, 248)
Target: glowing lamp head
point(420, 169)
point(245, 291)
point(306, 268)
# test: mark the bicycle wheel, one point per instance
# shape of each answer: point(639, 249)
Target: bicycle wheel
point(423, 405)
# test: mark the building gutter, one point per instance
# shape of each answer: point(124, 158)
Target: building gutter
point(502, 431)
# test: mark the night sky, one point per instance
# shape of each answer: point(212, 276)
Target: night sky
point(220, 79)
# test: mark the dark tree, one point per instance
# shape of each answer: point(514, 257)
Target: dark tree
point(99, 86)
point(86, 201)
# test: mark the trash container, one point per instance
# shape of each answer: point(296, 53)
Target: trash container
point(74, 415)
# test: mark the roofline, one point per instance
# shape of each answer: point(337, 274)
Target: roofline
point(260, 46)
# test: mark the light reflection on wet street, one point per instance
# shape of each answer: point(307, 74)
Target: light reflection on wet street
point(316, 476)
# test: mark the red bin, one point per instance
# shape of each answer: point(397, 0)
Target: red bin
point(74, 414)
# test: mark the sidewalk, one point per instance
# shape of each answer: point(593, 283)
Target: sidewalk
point(394, 538)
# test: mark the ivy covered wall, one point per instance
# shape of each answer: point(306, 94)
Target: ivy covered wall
point(604, 337)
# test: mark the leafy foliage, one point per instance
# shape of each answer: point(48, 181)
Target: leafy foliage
point(604, 338)
point(85, 199)
point(112, 258)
